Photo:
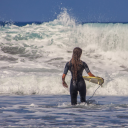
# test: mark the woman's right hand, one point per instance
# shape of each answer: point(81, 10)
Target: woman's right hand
point(65, 84)
point(63, 81)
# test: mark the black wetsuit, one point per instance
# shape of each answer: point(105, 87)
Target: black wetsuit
point(78, 85)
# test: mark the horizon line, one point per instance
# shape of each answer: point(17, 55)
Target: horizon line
point(76, 21)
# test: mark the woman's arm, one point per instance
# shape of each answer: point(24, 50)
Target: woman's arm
point(87, 69)
point(90, 74)
point(63, 81)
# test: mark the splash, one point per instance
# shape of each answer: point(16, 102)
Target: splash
point(40, 50)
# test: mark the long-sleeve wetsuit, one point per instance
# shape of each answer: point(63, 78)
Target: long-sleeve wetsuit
point(78, 85)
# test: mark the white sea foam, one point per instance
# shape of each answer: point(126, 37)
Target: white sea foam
point(32, 57)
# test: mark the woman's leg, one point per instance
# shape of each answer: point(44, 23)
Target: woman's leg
point(82, 90)
point(73, 93)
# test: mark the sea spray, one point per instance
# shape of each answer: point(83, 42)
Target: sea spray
point(32, 57)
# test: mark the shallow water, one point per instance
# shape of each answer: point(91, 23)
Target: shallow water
point(56, 111)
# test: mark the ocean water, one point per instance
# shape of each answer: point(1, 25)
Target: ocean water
point(32, 60)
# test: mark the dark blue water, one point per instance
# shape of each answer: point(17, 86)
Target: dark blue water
point(20, 24)
point(56, 111)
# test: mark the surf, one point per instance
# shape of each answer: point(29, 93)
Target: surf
point(33, 56)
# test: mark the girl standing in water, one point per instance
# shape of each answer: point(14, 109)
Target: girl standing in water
point(76, 67)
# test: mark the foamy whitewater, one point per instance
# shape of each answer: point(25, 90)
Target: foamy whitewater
point(32, 60)
point(32, 57)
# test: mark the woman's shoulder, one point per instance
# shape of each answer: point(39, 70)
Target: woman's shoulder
point(83, 62)
point(68, 63)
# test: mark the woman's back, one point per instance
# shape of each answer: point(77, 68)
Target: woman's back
point(82, 65)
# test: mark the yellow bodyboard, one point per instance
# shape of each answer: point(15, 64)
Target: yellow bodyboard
point(96, 80)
